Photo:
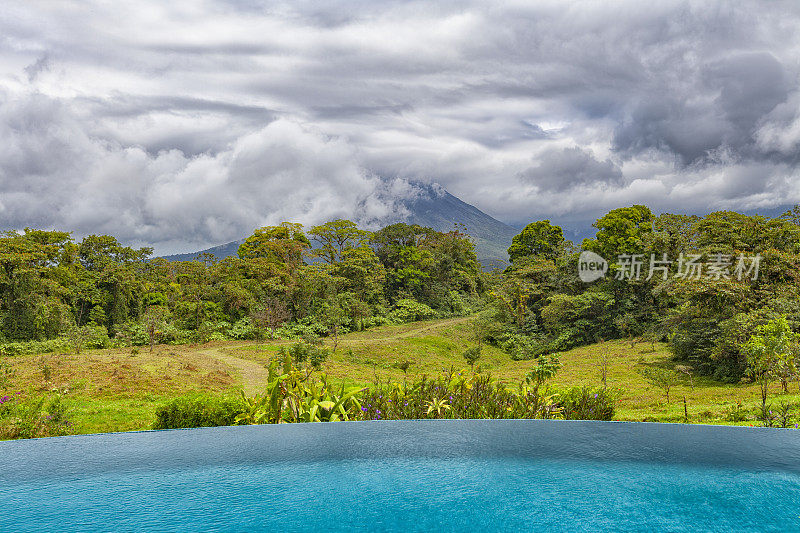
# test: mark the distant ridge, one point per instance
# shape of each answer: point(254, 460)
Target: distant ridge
point(440, 210)
point(436, 208)
point(220, 252)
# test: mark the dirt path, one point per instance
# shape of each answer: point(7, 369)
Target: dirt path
point(415, 332)
point(254, 376)
point(374, 336)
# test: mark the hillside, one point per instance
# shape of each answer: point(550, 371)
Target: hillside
point(120, 389)
point(437, 209)
point(435, 346)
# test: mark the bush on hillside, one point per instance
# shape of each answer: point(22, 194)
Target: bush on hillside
point(584, 403)
point(408, 310)
point(198, 411)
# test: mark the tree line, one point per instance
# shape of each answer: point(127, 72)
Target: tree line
point(337, 277)
point(52, 286)
point(705, 286)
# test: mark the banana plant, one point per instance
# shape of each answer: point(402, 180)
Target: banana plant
point(320, 405)
point(265, 409)
point(291, 397)
point(532, 404)
point(255, 412)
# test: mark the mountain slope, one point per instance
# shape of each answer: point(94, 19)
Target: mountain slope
point(220, 252)
point(440, 210)
point(433, 207)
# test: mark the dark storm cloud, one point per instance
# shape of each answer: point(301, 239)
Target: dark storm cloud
point(740, 90)
point(568, 168)
point(187, 122)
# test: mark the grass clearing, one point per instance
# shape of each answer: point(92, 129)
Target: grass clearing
point(119, 390)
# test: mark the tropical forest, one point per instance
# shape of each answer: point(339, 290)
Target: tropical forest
point(689, 319)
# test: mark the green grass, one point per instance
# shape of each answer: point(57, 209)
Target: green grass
point(361, 357)
point(707, 401)
point(116, 390)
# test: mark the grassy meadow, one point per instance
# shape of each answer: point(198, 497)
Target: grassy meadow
point(120, 389)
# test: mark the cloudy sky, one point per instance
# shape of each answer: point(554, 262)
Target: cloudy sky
point(188, 123)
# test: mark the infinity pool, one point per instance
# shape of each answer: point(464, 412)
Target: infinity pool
point(446, 475)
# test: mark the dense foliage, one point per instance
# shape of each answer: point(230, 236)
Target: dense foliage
point(32, 417)
point(692, 281)
point(676, 278)
point(97, 292)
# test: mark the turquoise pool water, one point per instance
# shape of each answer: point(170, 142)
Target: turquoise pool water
point(407, 476)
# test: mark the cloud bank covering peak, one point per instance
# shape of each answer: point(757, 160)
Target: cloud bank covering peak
point(189, 123)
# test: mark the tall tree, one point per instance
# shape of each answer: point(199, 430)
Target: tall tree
point(770, 351)
point(284, 243)
point(537, 239)
point(621, 232)
point(337, 236)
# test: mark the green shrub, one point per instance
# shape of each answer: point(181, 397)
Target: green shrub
point(375, 321)
point(34, 417)
point(244, 329)
point(408, 310)
point(305, 327)
point(97, 337)
point(584, 403)
point(132, 334)
point(89, 336)
point(136, 334)
point(524, 347)
point(211, 331)
point(455, 303)
point(736, 413)
point(198, 411)
point(472, 354)
point(179, 336)
point(34, 347)
point(302, 352)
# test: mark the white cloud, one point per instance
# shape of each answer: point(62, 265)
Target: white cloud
point(284, 171)
point(190, 122)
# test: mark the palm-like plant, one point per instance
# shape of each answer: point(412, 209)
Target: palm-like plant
point(438, 406)
point(291, 397)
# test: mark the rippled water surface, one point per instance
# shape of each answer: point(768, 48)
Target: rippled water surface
point(368, 482)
